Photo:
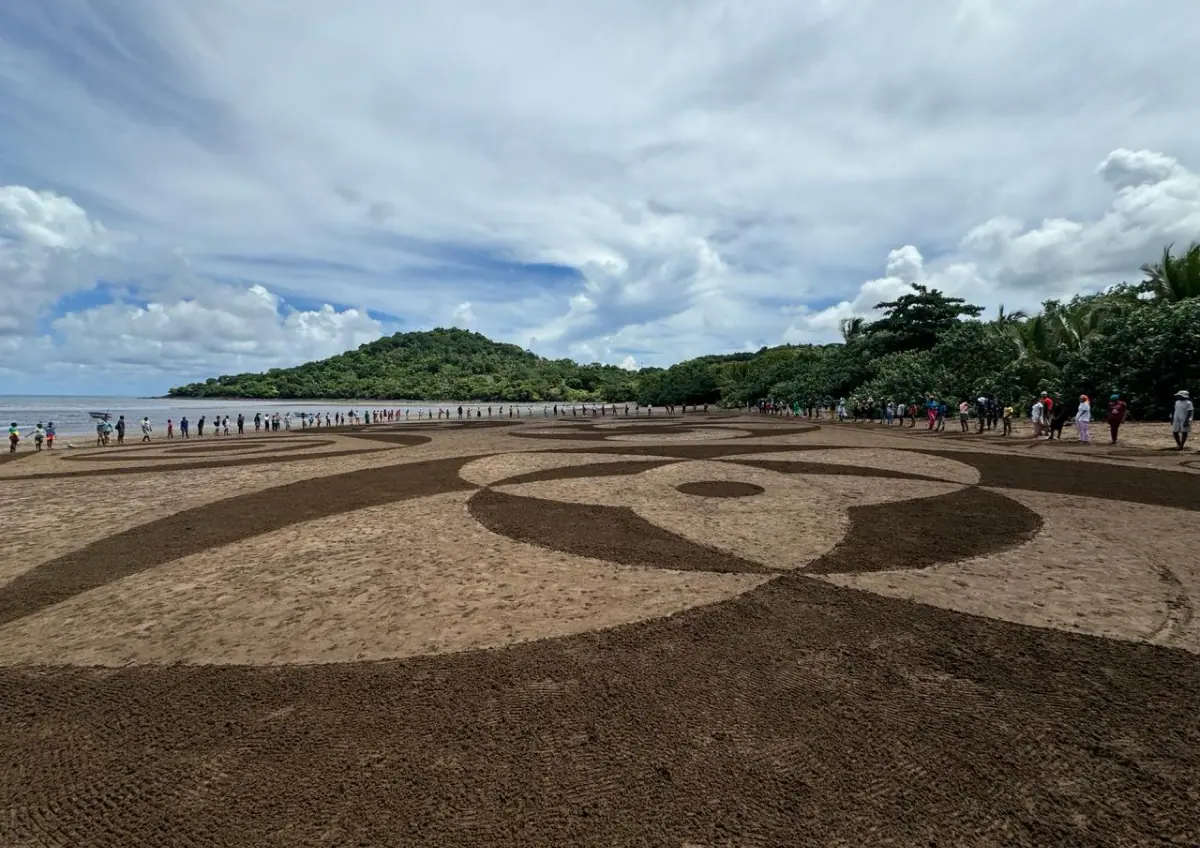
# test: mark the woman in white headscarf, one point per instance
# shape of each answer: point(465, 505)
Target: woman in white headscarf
point(1181, 421)
point(1083, 419)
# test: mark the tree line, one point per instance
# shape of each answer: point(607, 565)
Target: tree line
point(1139, 340)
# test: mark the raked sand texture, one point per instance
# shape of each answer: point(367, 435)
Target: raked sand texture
point(702, 630)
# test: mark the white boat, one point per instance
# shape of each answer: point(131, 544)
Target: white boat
point(100, 416)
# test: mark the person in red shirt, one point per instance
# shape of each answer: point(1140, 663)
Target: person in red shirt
point(1117, 412)
point(1048, 405)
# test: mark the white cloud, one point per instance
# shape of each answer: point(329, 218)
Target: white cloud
point(222, 329)
point(48, 248)
point(720, 175)
point(1156, 201)
point(52, 248)
point(463, 315)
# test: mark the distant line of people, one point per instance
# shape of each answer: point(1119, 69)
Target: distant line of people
point(1047, 417)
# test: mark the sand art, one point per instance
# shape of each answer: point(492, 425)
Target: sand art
point(705, 630)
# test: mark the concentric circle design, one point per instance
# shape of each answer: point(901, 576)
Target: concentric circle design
point(939, 635)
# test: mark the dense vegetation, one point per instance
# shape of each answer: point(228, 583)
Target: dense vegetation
point(1141, 340)
point(435, 365)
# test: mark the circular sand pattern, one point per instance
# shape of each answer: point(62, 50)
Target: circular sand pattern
point(720, 489)
point(680, 435)
point(662, 432)
point(749, 670)
point(156, 458)
point(796, 519)
point(159, 452)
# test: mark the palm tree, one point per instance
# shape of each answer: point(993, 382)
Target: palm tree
point(1035, 342)
point(1001, 327)
point(1073, 325)
point(1013, 317)
point(1174, 278)
point(852, 328)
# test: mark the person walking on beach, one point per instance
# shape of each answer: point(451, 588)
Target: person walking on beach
point(99, 434)
point(106, 431)
point(146, 428)
point(170, 429)
point(1083, 419)
point(241, 422)
point(14, 436)
point(225, 424)
point(183, 427)
point(50, 434)
point(200, 428)
point(1057, 421)
point(39, 436)
point(121, 430)
point(1117, 412)
point(1181, 421)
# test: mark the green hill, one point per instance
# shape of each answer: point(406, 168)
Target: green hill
point(438, 364)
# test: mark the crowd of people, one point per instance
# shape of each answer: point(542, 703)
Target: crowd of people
point(113, 432)
point(1047, 416)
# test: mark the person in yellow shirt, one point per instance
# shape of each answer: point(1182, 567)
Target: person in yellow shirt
point(1008, 414)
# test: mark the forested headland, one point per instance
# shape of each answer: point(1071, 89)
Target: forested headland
point(1141, 340)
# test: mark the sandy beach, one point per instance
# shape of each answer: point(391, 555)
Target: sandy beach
point(701, 629)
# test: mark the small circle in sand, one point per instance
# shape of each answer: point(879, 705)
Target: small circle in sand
point(679, 435)
point(720, 489)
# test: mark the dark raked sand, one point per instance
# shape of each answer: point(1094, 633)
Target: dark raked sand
point(546, 635)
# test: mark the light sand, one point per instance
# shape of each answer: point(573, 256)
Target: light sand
point(890, 460)
point(796, 519)
point(329, 590)
point(700, 434)
point(1119, 570)
point(411, 578)
point(492, 469)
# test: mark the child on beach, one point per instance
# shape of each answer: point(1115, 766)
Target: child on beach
point(50, 433)
point(14, 436)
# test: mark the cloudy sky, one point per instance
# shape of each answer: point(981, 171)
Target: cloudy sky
point(197, 188)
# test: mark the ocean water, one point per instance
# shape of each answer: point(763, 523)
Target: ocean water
point(71, 418)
